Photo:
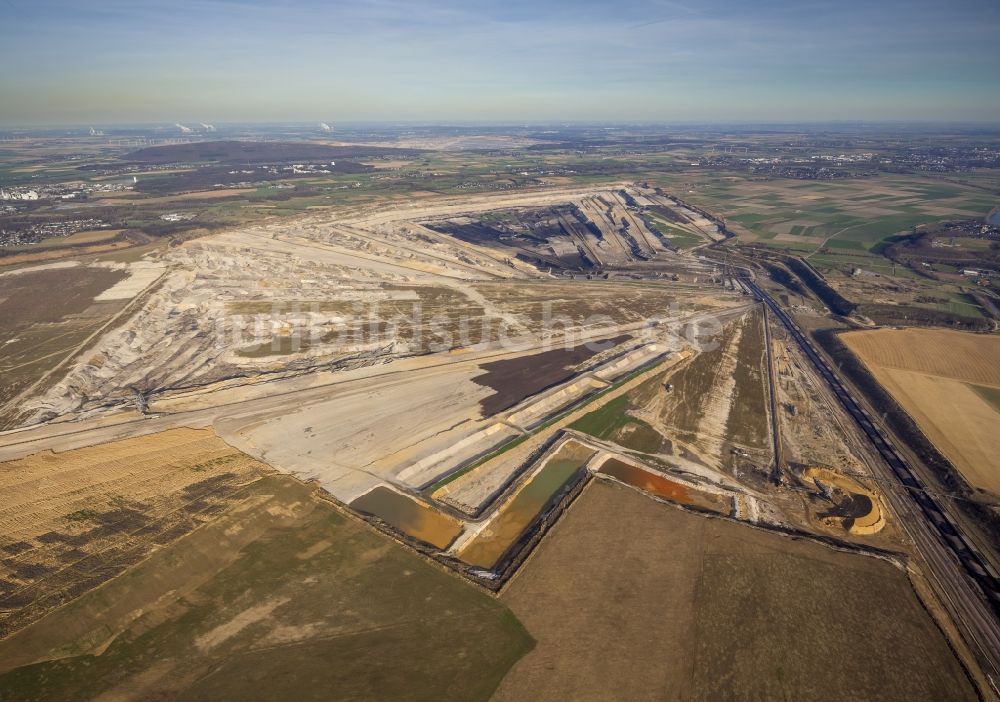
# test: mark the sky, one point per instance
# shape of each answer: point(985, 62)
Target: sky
point(118, 61)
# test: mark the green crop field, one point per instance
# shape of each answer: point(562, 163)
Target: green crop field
point(848, 215)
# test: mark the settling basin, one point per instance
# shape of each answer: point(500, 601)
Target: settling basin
point(409, 516)
point(655, 484)
point(541, 492)
point(646, 480)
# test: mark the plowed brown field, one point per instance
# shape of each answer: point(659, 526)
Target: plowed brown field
point(630, 599)
point(974, 358)
point(930, 372)
point(73, 520)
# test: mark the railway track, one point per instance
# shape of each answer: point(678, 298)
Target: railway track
point(966, 582)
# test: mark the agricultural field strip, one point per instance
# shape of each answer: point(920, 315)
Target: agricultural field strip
point(950, 354)
point(113, 501)
point(286, 529)
point(816, 214)
point(646, 610)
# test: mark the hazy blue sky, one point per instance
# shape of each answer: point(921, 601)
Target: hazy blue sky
point(122, 61)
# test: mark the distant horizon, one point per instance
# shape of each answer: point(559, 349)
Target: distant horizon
point(420, 61)
point(198, 130)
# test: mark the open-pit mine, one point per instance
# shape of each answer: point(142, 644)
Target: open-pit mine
point(408, 391)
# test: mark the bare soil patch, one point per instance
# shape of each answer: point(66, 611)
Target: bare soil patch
point(950, 354)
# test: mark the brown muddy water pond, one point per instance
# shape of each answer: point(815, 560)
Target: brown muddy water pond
point(409, 516)
point(655, 484)
point(646, 480)
point(543, 490)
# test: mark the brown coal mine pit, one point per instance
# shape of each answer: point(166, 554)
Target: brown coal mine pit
point(530, 233)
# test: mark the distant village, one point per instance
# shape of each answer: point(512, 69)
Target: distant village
point(63, 191)
point(38, 232)
point(853, 165)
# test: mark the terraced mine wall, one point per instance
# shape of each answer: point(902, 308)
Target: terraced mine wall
point(900, 422)
point(505, 487)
